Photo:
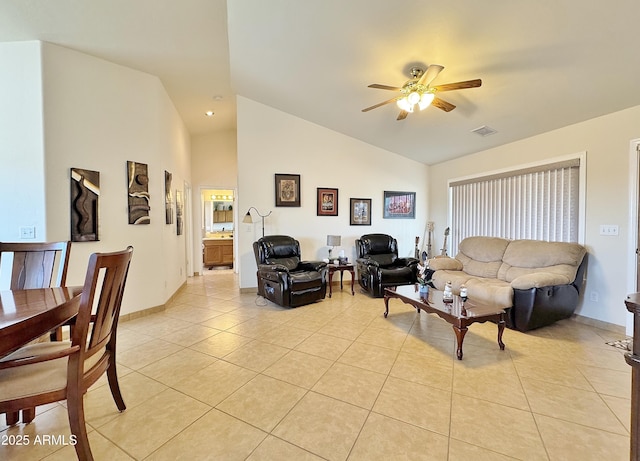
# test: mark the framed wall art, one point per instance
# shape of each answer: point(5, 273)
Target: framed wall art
point(85, 192)
point(168, 198)
point(138, 192)
point(179, 212)
point(327, 202)
point(288, 190)
point(360, 212)
point(399, 205)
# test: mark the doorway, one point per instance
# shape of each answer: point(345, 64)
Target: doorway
point(218, 224)
point(634, 227)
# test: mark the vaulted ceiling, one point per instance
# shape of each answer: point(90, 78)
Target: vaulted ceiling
point(544, 64)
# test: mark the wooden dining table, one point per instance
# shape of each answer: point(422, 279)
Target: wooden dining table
point(28, 314)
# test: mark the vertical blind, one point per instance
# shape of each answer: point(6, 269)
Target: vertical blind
point(539, 203)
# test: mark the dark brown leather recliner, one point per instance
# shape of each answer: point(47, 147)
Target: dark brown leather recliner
point(282, 277)
point(379, 266)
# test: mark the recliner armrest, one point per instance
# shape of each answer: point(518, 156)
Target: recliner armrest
point(273, 268)
point(405, 261)
point(312, 265)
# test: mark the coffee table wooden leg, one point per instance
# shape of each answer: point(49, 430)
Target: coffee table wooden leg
point(386, 306)
point(501, 324)
point(460, 332)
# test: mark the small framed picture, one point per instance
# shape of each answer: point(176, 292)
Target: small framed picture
point(327, 202)
point(399, 205)
point(360, 212)
point(287, 190)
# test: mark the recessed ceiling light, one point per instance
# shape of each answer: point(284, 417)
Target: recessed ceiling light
point(484, 130)
point(217, 98)
point(209, 113)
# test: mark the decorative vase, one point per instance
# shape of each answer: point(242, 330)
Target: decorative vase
point(447, 294)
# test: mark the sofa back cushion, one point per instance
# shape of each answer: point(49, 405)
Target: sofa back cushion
point(482, 256)
point(524, 257)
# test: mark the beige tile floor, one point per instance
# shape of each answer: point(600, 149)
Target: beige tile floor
point(221, 375)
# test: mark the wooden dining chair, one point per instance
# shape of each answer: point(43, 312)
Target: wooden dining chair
point(43, 373)
point(36, 265)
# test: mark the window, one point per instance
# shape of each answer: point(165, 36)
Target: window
point(541, 202)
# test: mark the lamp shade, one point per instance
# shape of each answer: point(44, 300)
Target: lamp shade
point(247, 218)
point(333, 240)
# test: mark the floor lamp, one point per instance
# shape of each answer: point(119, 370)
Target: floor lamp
point(248, 220)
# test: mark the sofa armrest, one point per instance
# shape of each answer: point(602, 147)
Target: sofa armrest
point(439, 264)
point(538, 280)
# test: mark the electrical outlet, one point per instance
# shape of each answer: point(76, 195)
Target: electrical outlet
point(27, 232)
point(594, 296)
point(608, 229)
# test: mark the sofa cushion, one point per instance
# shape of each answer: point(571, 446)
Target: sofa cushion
point(457, 278)
point(491, 291)
point(558, 260)
point(482, 256)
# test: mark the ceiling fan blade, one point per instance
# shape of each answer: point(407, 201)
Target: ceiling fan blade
point(384, 87)
point(432, 72)
point(402, 115)
point(442, 104)
point(381, 104)
point(458, 85)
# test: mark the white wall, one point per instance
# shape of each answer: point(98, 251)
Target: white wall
point(606, 140)
point(97, 115)
point(214, 165)
point(271, 141)
point(21, 141)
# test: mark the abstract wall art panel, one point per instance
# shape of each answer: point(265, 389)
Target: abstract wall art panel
point(85, 191)
point(138, 193)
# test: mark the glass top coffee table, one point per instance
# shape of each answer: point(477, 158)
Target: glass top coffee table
point(459, 313)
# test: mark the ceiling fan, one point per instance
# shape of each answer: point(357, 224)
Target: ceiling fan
point(417, 90)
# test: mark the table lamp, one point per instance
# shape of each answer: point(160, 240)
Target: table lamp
point(332, 241)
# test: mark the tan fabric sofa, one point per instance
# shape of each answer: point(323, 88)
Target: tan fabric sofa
point(539, 280)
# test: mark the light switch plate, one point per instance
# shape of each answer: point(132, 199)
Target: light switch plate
point(608, 229)
point(27, 232)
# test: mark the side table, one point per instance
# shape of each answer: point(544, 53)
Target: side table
point(341, 268)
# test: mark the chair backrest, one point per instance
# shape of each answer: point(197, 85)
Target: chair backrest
point(100, 301)
point(277, 249)
point(37, 265)
point(376, 244)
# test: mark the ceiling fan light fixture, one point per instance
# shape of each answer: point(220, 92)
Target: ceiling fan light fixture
point(413, 97)
point(403, 103)
point(425, 100)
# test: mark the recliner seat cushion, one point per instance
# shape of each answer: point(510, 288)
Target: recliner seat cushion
point(305, 280)
point(384, 259)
